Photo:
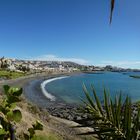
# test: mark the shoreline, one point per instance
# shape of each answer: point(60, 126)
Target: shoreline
point(45, 92)
point(33, 94)
point(57, 108)
point(32, 90)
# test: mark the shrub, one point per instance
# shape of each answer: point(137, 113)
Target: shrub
point(31, 135)
point(8, 114)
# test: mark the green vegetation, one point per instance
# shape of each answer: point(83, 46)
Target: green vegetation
point(36, 126)
point(8, 112)
point(10, 74)
point(9, 115)
point(115, 120)
point(135, 76)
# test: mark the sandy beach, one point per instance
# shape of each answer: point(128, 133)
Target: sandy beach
point(23, 81)
point(32, 88)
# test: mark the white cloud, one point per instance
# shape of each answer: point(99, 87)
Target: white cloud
point(125, 64)
point(51, 57)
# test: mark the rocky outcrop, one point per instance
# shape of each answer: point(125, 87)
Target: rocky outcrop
point(68, 112)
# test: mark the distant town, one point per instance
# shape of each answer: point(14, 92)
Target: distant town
point(53, 66)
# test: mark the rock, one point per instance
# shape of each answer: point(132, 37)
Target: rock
point(70, 118)
point(85, 116)
point(65, 115)
point(78, 118)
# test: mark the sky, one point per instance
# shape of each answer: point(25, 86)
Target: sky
point(71, 30)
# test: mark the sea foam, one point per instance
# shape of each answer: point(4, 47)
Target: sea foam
point(45, 92)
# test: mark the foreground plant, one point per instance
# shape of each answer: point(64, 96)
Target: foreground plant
point(9, 115)
point(114, 120)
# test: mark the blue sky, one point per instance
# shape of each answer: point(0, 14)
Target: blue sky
point(76, 30)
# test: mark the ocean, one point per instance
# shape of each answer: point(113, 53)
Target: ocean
point(70, 89)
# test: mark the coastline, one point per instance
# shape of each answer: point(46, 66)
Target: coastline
point(32, 89)
point(33, 94)
point(45, 92)
point(56, 108)
point(31, 83)
point(57, 123)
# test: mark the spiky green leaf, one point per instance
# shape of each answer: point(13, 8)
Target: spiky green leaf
point(106, 104)
point(111, 9)
point(88, 97)
point(97, 101)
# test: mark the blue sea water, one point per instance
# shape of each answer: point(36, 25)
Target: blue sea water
point(70, 89)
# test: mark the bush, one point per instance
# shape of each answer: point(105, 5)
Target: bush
point(31, 135)
point(9, 115)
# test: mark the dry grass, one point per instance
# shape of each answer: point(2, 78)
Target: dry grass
point(54, 128)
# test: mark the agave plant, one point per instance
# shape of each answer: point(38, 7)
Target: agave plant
point(113, 120)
